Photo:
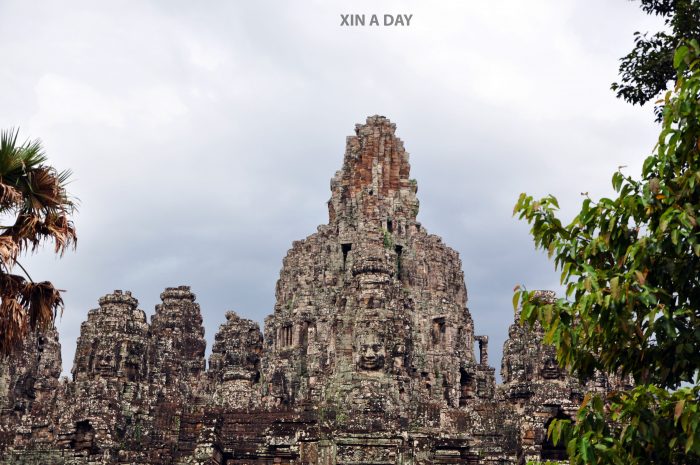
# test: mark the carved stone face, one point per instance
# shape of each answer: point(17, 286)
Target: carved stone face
point(371, 353)
point(105, 364)
point(550, 369)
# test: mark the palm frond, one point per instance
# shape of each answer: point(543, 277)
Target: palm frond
point(44, 189)
point(34, 195)
point(15, 157)
point(9, 160)
point(13, 324)
point(61, 230)
point(8, 251)
point(9, 196)
point(43, 301)
point(32, 154)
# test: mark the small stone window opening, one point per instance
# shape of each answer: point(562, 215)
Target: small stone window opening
point(132, 371)
point(84, 438)
point(466, 387)
point(426, 380)
point(437, 332)
point(399, 251)
point(551, 452)
point(390, 226)
point(41, 342)
point(345, 248)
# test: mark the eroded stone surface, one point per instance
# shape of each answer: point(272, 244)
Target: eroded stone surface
point(368, 358)
point(234, 365)
point(177, 345)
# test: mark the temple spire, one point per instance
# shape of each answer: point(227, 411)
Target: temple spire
point(374, 180)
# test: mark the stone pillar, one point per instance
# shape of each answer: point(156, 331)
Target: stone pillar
point(483, 349)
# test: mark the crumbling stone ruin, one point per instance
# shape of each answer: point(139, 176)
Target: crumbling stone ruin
point(368, 358)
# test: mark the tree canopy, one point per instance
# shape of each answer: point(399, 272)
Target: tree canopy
point(34, 208)
point(646, 71)
point(630, 265)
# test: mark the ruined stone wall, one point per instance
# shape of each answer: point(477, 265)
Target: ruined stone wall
point(29, 391)
point(368, 358)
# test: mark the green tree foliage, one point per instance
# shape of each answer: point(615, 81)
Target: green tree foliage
point(646, 71)
point(34, 208)
point(631, 269)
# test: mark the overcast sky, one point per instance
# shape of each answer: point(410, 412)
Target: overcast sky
point(203, 135)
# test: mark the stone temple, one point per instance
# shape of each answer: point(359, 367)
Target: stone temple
point(370, 357)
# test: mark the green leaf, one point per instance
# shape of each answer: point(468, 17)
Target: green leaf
point(617, 180)
point(554, 201)
point(553, 431)
point(585, 449)
point(678, 410)
point(680, 54)
point(615, 287)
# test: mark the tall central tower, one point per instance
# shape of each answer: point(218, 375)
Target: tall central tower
point(370, 320)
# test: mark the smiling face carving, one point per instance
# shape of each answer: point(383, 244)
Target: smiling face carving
point(371, 353)
point(551, 369)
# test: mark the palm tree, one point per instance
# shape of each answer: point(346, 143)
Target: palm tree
point(34, 203)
